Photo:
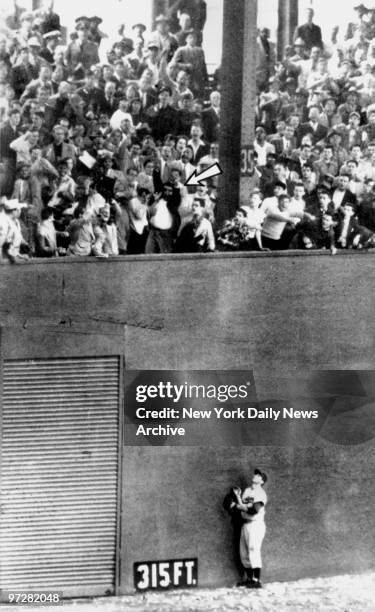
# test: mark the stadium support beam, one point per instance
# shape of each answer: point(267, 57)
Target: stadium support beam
point(237, 116)
point(288, 21)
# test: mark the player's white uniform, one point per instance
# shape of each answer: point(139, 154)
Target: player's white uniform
point(253, 530)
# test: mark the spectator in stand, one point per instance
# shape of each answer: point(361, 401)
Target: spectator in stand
point(191, 58)
point(196, 9)
point(88, 137)
point(185, 28)
point(211, 118)
point(197, 235)
point(162, 223)
point(8, 156)
point(164, 41)
point(310, 33)
point(266, 59)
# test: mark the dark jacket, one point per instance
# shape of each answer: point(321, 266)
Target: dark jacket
point(311, 35)
point(210, 124)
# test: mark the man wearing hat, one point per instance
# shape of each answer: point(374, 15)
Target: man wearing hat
point(51, 20)
point(126, 42)
point(51, 40)
point(185, 28)
point(300, 54)
point(196, 9)
point(14, 239)
point(138, 30)
point(310, 33)
point(82, 53)
point(82, 20)
point(22, 73)
point(34, 55)
point(266, 59)
point(161, 37)
point(95, 34)
point(191, 58)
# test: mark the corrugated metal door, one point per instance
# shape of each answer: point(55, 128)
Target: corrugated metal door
point(60, 471)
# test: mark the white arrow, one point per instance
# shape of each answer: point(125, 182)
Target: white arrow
point(196, 178)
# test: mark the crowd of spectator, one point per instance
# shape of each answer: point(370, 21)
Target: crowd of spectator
point(96, 146)
point(98, 137)
point(314, 149)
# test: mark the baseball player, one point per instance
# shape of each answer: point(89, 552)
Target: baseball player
point(252, 506)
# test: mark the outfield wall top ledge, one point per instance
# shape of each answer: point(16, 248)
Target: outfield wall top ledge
point(189, 256)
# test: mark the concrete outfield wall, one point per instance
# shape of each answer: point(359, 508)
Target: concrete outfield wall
point(319, 518)
point(281, 316)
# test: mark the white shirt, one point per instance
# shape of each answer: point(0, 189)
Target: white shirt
point(4, 229)
point(117, 117)
point(47, 229)
point(262, 151)
point(272, 228)
point(138, 215)
point(161, 218)
point(296, 206)
point(14, 237)
point(254, 219)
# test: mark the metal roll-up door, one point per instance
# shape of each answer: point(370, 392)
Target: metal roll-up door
point(59, 475)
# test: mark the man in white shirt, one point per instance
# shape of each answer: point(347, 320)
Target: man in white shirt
point(277, 216)
point(14, 239)
point(120, 114)
point(261, 146)
point(23, 145)
point(162, 222)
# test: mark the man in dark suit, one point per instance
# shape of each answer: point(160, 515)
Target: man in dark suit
point(162, 170)
point(91, 95)
point(313, 127)
point(191, 59)
point(349, 233)
point(59, 150)
point(163, 118)
point(284, 144)
point(310, 33)
point(82, 53)
point(51, 40)
point(22, 72)
point(211, 118)
point(198, 146)
point(341, 194)
point(107, 103)
point(8, 157)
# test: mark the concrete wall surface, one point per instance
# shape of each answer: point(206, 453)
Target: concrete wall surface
point(284, 317)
